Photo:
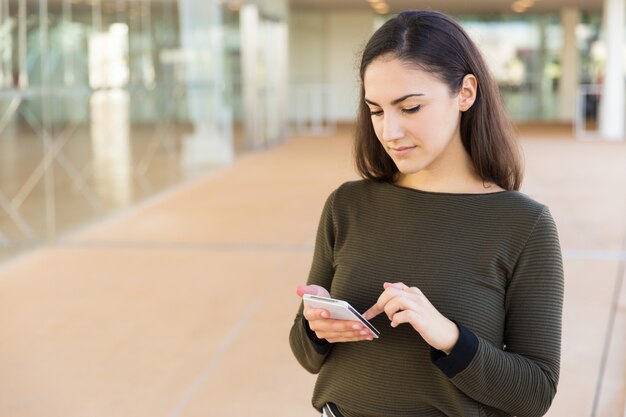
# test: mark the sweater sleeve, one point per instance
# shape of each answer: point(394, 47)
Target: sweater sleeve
point(520, 377)
point(306, 347)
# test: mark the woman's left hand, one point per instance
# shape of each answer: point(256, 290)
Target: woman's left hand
point(404, 304)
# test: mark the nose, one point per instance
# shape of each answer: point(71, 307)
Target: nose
point(392, 128)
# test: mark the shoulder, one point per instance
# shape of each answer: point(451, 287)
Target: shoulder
point(353, 196)
point(521, 202)
point(351, 192)
point(354, 188)
point(530, 219)
point(520, 209)
point(358, 186)
point(526, 205)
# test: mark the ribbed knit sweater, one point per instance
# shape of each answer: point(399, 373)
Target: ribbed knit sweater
point(490, 262)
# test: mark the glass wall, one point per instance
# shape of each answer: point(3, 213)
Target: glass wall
point(593, 54)
point(104, 102)
point(524, 54)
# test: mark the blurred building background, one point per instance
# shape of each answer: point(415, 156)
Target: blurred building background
point(106, 104)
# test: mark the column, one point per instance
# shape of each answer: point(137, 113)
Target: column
point(22, 45)
point(203, 48)
point(6, 43)
point(110, 146)
point(612, 104)
point(570, 66)
point(542, 84)
point(250, 32)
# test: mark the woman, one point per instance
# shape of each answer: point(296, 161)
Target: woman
point(461, 273)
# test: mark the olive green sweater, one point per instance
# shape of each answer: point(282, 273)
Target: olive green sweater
point(490, 262)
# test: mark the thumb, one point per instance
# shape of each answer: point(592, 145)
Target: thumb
point(312, 290)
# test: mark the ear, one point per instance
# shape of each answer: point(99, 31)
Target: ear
point(467, 95)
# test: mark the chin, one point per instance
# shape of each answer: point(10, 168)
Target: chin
point(408, 168)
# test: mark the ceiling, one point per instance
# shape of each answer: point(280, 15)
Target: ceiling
point(450, 6)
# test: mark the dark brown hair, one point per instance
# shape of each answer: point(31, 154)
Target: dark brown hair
point(434, 42)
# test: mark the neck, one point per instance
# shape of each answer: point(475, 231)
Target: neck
point(426, 181)
point(455, 174)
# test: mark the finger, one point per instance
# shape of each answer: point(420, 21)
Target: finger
point(312, 290)
point(340, 326)
point(300, 290)
point(346, 337)
point(384, 298)
point(316, 314)
point(392, 307)
point(372, 312)
point(399, 303)
point(398, 285)
point(335, 326)
point(326, 329)
point(403, 316)
point(403, 287)
point(343, 336)
point(351, 339)
point(413, 290)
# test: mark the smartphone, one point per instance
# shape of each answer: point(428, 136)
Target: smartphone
point(339, 310)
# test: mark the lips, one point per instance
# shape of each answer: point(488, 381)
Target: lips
point(401, 151)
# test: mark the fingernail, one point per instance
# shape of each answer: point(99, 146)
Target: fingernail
point(363, 332)
point(324, 314)
point(356, 326)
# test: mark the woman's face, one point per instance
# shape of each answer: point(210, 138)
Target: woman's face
point(415, 116)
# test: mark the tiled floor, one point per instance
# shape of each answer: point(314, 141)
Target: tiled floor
point(181, 305)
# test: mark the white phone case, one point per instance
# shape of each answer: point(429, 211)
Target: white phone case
point(339, 310)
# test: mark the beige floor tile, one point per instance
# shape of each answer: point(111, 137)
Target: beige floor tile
point(258, 374)
point(585, 314)
point(269, 198)
point(125, 332)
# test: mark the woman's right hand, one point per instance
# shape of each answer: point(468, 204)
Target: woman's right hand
point(332, 330)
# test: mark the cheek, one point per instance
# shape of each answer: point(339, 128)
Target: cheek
point(378, 129)
point(441, 126)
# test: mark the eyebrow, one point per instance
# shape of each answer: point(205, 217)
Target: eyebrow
point(396, 101)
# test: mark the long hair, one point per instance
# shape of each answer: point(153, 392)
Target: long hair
point(435, 43)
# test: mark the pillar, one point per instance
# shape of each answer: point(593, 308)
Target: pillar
point(612, 106)
point(570, 65)
point(201, 37)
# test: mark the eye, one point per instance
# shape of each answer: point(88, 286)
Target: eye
point(412, 109)
point(376, 113)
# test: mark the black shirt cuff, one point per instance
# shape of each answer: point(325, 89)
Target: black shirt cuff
point(321, 346)
point(461, 355)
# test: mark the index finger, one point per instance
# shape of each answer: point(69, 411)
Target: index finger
point(372, 312)
point(390, 291)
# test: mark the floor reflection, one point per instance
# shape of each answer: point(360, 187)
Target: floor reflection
point(110, 145)
point(93, 169)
